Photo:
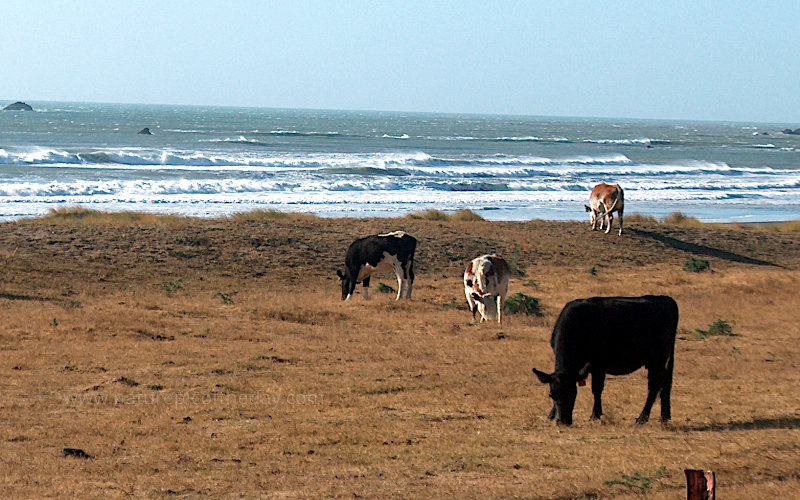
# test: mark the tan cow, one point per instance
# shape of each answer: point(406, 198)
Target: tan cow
point(486, 286)
point(605, 199)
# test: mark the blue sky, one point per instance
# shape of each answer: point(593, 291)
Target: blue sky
point(729, 61)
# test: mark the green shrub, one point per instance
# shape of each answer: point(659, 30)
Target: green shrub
point(696, 265)
point(460, 305)
point(719, 328)
point(637, 482)
point(384, 288)
point(171, 286)
point(519, 303)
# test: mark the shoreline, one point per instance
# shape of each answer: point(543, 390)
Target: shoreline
point(677, 217)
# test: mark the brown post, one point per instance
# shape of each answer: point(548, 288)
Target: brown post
point(700, 485)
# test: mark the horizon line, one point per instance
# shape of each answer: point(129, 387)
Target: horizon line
point(445, 113)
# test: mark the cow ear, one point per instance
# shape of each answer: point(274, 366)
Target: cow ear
point(584, 372)
point(587, 208)
point(544, 378)
point(339, 274)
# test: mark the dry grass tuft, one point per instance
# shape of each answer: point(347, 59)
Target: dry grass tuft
point(640, 219)
point(774, 227)
point(466, 215)
point(271, 214)
point(681, 219)
point(440, 215)
point(80, 215)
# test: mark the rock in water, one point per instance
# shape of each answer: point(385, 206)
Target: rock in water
point(145, 131)
point(18, 106)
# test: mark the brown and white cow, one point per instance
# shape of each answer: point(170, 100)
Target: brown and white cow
point(605, 199)
point(486, 286)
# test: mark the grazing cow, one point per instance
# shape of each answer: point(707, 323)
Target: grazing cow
point(617, 336)
point(382, 252)
point(605, 199)
point(486, 285)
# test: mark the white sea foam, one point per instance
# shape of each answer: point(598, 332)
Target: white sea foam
point(212, 160)
point(638, 180)
point(532, 138)
point(637, 141)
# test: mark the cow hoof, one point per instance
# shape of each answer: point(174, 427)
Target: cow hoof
point(642, 420)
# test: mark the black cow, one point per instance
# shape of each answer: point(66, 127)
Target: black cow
point(617, 336)
point(382, 252)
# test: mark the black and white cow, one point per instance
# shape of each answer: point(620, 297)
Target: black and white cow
point(617, 336)
point(381, 252)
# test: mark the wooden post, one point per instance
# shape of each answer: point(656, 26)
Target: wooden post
point(700, 485)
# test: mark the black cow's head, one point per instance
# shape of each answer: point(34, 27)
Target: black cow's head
point(348, 284)
point(563, 391)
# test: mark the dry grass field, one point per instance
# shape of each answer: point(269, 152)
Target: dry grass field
point(214, 358)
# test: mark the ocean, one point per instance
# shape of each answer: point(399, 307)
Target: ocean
point(216, 161)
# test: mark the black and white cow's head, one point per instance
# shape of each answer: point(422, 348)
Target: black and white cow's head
point(348, 283)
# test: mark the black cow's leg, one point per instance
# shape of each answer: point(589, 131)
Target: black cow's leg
point(366, 288)
point(666, 389)
point(654, 381)
point(410, 277)
point(598, 380)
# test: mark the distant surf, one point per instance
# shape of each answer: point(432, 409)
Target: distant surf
point(213, 161)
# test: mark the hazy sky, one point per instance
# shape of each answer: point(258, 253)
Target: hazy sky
point(700, 60)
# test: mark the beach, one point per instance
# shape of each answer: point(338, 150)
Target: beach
point(212, 357)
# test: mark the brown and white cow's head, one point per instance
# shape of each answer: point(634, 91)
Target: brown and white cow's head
point(481, 303)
